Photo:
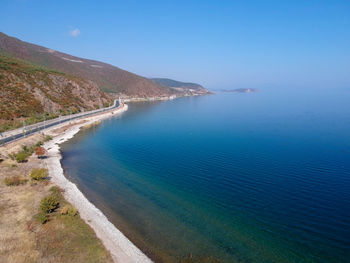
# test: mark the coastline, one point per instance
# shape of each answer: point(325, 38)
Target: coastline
point(120, 247)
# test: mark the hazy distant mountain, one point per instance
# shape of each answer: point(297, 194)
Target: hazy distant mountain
point(241, 90)
point(181, 86)
point(176, 84)
point(107, 77)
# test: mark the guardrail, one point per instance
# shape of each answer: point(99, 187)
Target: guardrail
point(34, 128)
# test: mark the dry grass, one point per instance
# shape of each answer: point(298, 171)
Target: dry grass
point(63, 238)
point(66, 238)
point(88, 126)
point(17, 205)
point(15, 181)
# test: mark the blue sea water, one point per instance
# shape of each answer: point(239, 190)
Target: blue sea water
point(231, 177)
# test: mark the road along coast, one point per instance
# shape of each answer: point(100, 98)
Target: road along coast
point(120, 247)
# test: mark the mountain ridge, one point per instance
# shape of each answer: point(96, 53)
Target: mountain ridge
point(37, 82)
point(109, 78)
point(189, 88)
point(175, 83)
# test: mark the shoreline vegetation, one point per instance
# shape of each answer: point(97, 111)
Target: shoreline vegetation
point(9, 125)
point(37, 223)
point(33, 224)
point(38, 83)
point(73, 229)
point(33, 94)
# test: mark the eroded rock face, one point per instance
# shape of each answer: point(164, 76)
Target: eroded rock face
point(66, 92)
point(24, 94)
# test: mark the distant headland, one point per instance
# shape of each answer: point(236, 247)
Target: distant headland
point(240, 90)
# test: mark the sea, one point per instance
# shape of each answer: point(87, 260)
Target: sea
point(228, 177)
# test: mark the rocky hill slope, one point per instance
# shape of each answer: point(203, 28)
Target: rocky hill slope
point(107, 77)
point(37, 83)
point(27, 92)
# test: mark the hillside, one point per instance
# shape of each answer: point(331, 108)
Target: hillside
point(184, 87)
point(176, 84)
point(27, 92)
point(107, 77)
point(37, 82)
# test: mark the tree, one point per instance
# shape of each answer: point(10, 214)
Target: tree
point(40, 151)
point(49, 204)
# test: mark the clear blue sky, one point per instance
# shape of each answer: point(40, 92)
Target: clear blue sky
point(220, 44)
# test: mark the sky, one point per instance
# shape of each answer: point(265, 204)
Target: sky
point(220, 44)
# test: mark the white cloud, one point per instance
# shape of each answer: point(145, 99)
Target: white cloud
point(74, 32)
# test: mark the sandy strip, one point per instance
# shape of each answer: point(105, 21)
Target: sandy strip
point(120, 247)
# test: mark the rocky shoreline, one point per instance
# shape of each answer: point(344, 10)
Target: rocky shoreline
point(121, 249)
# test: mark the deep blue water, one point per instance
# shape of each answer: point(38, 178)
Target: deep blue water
point(259, 177)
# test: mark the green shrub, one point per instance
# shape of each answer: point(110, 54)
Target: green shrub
point(43, 218)
point(21, 157)
point(16, 180)
point(25, 148)
point(55, 190)
point(12, 156)
point(24, 154)
point(39, 174)
point(39, 143)
point(49, 204)
point(47, 138)
point(72, 211)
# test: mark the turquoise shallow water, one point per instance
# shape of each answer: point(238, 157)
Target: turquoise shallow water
point(259, 177)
